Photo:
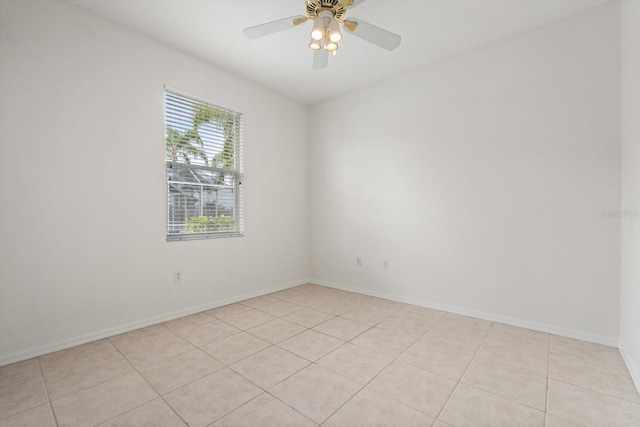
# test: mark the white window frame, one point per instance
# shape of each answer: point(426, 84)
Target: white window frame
point(186, 173)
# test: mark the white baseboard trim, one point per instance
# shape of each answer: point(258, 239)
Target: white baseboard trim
point(513, 321)
point(634, 370)
point(19, 356)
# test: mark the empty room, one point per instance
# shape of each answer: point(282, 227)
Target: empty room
point(332, 213)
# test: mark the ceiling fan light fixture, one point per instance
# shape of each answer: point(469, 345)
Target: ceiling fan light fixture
point(335, 35)
point(328, 17)
point(318, 30)
point(315, 44)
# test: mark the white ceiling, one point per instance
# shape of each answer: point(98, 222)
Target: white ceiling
point(430, 30)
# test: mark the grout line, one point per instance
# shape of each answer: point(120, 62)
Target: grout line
point(149, 384)
point(265, 392)
point(381, 371)
point(546, 400)
point(597, 391)
point(310, 295)
point(465, 371)
point(253, 326)
point(350, 379)
point(285, 403)
point(46, 390)
point(350, 342)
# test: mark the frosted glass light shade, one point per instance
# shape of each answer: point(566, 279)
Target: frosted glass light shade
point(317, 32)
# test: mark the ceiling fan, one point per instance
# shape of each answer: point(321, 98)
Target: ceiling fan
point(328, 18)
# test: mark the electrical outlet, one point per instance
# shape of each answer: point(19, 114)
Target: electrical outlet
point(177, 276)
point(385, 264)
point(358, 261)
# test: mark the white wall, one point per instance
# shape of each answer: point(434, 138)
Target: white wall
point(482, 179)
point(82, 183)
point(630, 215)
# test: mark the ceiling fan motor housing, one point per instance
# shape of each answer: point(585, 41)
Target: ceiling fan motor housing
point(337, 7)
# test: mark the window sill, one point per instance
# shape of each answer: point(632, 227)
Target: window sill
point(201, 236)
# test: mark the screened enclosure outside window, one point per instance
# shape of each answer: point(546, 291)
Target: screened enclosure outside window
point(204, 169)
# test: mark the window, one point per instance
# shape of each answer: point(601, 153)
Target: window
point(204, 169)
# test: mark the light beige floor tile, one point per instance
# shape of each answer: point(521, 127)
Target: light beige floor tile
point(508, 382)
point(356, 363)
point(387, 306)
point(413, 386)
point(321, 300)
point(444, 361)
point(336, 307)
point(153, 414)
point(553, 421)
point(364, 300)
point(303, 300)
point(21, 396)
point(411, 326)
point(327, 295)
point(179, 370)
point(389, 341)
point(184, 325)
point(519, 336)
point(315, 392)
point(469, 406)
point(288, 293)
point(369, 409)
point(311, 345)
point(259, 301)
point(204, 401)
point(312, 287)
point(41, 416)
point(420, 312)
point(604, 372)
point(590, 407)
point(280, 308)
point(69, 371)
point(520, 346)
point(276, 330)
point(330, 301)
point(93, 383)
point(20, 371)
point(368, 316)
point(268, 367)
point(308, 317)
point(453, 339)
point(145, 346)
point(411, 321)
point(210, 332)
point(563, 345)
point(227, 310)
point(264, 411)
point(248, 319)
point(103, 402)
point(524, 358)
point(464, 323)
point(343, 329)
point(236, 347)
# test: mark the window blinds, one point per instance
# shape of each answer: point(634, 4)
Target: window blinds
point(204, 169)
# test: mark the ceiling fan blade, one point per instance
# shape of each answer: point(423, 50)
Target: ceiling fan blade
point(354, 3)
point(320, 59)
point(273, 26)
point(373, 34)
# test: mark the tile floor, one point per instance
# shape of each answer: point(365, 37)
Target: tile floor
point(312, 355)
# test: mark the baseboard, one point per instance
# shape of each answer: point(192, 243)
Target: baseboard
point(634, 370)
point(513, 321)
point(105, 333)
